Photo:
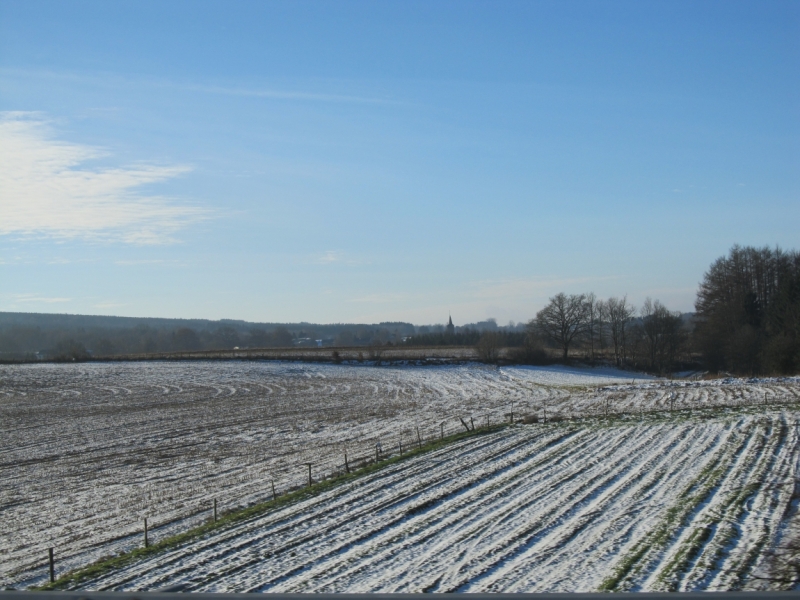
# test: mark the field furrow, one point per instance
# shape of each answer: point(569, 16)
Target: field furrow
point(651, 480)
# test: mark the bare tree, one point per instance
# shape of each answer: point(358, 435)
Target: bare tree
point(563, 320)
point(592, 307)
point(618, 313)
point(488, 347)
point(662, 334)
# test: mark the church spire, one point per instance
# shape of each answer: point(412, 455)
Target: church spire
point(450, 329)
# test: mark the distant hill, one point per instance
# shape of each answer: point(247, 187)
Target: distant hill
point(39, 335)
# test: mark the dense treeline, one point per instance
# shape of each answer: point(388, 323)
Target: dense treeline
point(747, 321)
point(68, 337)
point(583, 326)
point(748, 310)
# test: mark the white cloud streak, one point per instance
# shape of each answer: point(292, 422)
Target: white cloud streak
point(33, 298)
point(115, 80)
point(336, 257)
point(287, 95)
point(45, 191)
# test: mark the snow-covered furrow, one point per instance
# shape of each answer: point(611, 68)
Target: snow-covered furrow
point(530, 508)
point(332, 515)
point(174, 436)
point(683, 560)
point(637, 500)
point(500, 527)
point(750, 523)
point(384, 486)
point(471, 498)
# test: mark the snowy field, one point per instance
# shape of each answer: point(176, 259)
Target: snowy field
point(87, 451)
point(559, 375)
point(531, 508)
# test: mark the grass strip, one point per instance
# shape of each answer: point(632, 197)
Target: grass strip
point(106, 565)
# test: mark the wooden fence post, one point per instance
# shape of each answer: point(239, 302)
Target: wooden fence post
point(146, 541)
point(419, 439)
point(346, 464)
point(472, 422)
point(274, 495)
point(441, 426)
point(309, 473)
point(52, 566)
point(215, 510)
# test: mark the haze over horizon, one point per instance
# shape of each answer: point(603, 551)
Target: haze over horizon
point(368, 162)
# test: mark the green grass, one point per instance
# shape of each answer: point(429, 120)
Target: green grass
point(106, 565)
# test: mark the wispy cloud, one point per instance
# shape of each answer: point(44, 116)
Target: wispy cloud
point(285, 95)
point(381, 298)
point(330, 256)
point(33, 298)
point(248, 91)
point(336, 257)
point(136, 262)
point(45, 191)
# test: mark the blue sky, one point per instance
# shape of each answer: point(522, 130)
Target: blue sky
point(372, 161)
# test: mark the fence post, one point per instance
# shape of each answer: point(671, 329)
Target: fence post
point(52, 566)
point(487, 421)
point(441, 426)
point(309, 473)
point(401, 446)
point(512, 413)
point(419, 439)
point(146, 541)
point(472, 422)
point(274, 495)
point(215, 510)
point(346, 464)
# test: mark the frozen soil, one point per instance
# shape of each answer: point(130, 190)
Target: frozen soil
point(87, 451)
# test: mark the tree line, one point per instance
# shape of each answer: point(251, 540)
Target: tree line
point(30, 341)
point(748, 312)
point(747, 321)
point(651, 337)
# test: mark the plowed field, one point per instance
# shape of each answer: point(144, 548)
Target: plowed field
point(89, 450)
